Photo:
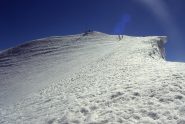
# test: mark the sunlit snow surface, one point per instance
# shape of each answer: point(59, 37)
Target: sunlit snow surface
point(91, 78)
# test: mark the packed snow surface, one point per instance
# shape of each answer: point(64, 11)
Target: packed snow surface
point(91, 78)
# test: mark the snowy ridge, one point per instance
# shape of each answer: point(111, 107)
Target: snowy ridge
point(91, 79)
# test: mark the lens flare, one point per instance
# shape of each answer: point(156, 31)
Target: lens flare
point(121, 25)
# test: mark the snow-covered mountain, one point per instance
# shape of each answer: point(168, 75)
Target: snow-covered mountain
point(91, 78)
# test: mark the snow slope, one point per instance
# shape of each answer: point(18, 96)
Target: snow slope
point(91, 78)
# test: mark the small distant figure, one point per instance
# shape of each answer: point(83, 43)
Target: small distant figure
point(120, 37)
point(87, 32)
point(90, 30)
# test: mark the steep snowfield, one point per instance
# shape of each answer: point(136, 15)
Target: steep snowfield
point(92, 79)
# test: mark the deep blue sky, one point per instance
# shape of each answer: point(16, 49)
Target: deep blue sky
point(24, 20)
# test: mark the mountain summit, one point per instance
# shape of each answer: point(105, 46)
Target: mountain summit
point(91, 78)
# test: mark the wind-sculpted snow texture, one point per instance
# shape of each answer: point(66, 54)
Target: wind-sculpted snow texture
point(91, 79)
